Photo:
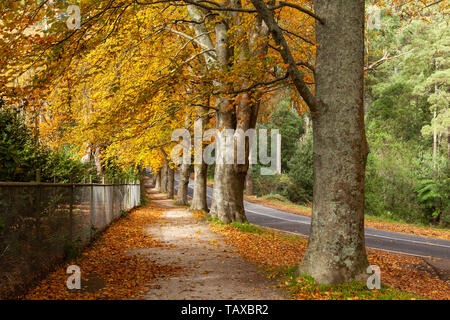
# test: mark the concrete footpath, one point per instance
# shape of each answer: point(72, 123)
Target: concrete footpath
point(211, 268)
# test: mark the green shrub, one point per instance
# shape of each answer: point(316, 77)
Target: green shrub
point(277, 197)
point(247, 227)
point(433, 195)
point(301, 171)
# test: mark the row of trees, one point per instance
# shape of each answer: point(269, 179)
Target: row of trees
point(135, 70)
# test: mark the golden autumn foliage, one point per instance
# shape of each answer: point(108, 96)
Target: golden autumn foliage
point(133, 73)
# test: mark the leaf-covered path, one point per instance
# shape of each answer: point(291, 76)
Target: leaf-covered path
point(211, 268)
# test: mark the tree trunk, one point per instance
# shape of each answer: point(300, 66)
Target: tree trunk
point(164, 178)
point(336, 249)
point(448, 142)
point(249, 182)
point(170, 183)
point(434, 142)
point(199, 201)
point(153, 180)
point(228, 193)
point(227, 203)
point(229, 179)
point(183, 182)
point(143, 180)
point(435, 133)
point(199, 196)
point(98, 162)
point(158, 181)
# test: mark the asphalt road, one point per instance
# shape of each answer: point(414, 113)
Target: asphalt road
point(375, 238)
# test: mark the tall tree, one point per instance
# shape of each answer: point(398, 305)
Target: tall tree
point(336, 250)
point(199, 200)
point(183, 183)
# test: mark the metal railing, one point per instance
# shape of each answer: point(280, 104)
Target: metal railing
point(41, 223)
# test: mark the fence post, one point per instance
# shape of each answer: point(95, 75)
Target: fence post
point(129, 196)
point(38, 217)
point(113, 210)
point(138, 194)
point(91, 211)
point(104, 207)
point(72, 192)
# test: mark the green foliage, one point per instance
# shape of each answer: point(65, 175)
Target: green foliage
point(306, 288)
point(114, 173)
point(18, 150)
point(23, 158)
point(301, 171)
point(61, 166)
point(214, 220)
point(390, 179)
point(276, 197)
point(433, 195)
point(72, 249)
point(291, 127)
point(271, 184)
point(295, 185)
point(295, 182)
point(408, 98)
point(124, 213)
point(247, 227)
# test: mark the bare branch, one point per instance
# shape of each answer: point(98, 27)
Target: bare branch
point(184, 35)
point(386, 57)
point(298, 36)
point(255, 85)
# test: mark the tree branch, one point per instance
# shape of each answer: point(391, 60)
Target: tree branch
point(217, 7)
point(386, 57)
point(297, 77)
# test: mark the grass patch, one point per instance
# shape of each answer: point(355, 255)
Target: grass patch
point(304, 287)
point(247, 227)
point(216, 221)
point(251, 228)
point(241, 226)
point(276, 199)
point(174, 200)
